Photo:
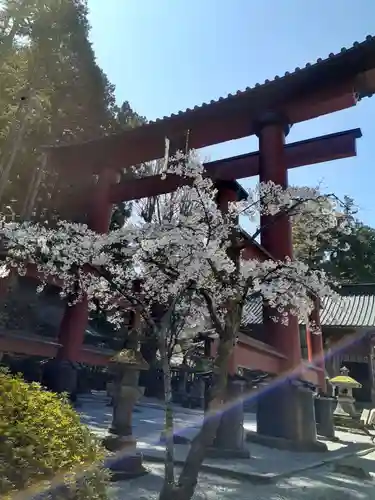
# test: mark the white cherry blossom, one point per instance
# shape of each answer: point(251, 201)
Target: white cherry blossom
point(194, 254)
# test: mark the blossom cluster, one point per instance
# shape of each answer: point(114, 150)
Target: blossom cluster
point(192, 253)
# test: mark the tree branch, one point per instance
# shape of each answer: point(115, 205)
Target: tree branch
point(212, 310)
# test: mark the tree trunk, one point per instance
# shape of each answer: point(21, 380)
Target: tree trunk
point(8, 43)
point(149, 349)
point(229, 440)
point(169, 444)
point(16, 137)
point(188, 479)
point(28, 207)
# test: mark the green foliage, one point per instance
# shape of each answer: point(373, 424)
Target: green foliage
point(347, 256)
point(126, 118)
point(354, 260)
point(51, 91)
point(317, 249)
point(42, 439)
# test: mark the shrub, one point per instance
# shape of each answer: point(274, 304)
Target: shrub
point(43, 443)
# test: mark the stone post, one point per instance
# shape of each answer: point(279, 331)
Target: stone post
point(324, 406)
point(126, 366)
point(293, 398)
point(197, 392)
point(230, 436)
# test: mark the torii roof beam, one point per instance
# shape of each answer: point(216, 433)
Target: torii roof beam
point(308, 152)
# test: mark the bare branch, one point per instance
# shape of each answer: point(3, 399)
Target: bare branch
point(212, 310)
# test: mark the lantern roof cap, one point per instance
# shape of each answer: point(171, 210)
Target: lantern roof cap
point(343, 380)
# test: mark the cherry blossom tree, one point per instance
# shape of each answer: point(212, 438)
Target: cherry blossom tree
point(186, 261)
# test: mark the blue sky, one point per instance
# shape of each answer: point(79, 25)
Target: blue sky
point(167, 55)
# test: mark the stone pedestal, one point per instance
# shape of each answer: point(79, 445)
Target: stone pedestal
point(324, 416)
point(127, 463)
point(345, 406)
point(286, 418)
point(230, 438)
point(125, 393)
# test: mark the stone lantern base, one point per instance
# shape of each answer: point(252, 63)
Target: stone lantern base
point(126, 462)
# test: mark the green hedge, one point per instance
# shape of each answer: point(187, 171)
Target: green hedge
point(43, 442)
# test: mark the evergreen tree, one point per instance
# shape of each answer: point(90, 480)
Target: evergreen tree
point(354, 260)
point(51, 92)
point(126, 118)
point(347, 256)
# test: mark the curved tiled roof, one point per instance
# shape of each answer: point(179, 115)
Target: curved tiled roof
point(358, 58)
point(331, 60)
point(324, 87)
point(354, 310)
point(355, 307)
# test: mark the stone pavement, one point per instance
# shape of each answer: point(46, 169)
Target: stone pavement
point(154, 403)
point(317, 484)
point(265, 464)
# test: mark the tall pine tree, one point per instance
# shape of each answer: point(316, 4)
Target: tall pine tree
point(51, 92)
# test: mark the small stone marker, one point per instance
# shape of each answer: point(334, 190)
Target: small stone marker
point(368, 417)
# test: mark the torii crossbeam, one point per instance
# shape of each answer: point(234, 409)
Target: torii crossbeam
point(308, 152)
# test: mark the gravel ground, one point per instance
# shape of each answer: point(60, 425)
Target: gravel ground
point(323, 483)
point(318, 484)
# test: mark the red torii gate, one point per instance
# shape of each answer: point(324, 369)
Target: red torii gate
point(286, 351)
point(266, 110)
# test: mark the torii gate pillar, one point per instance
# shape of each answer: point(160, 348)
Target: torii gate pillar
point(276, 232)
point(285, 411)
point(276, 237)
point(63, 371)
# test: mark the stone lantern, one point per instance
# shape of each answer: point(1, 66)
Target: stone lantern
point(126, 367)
point(230, 437)
point(345, 408)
